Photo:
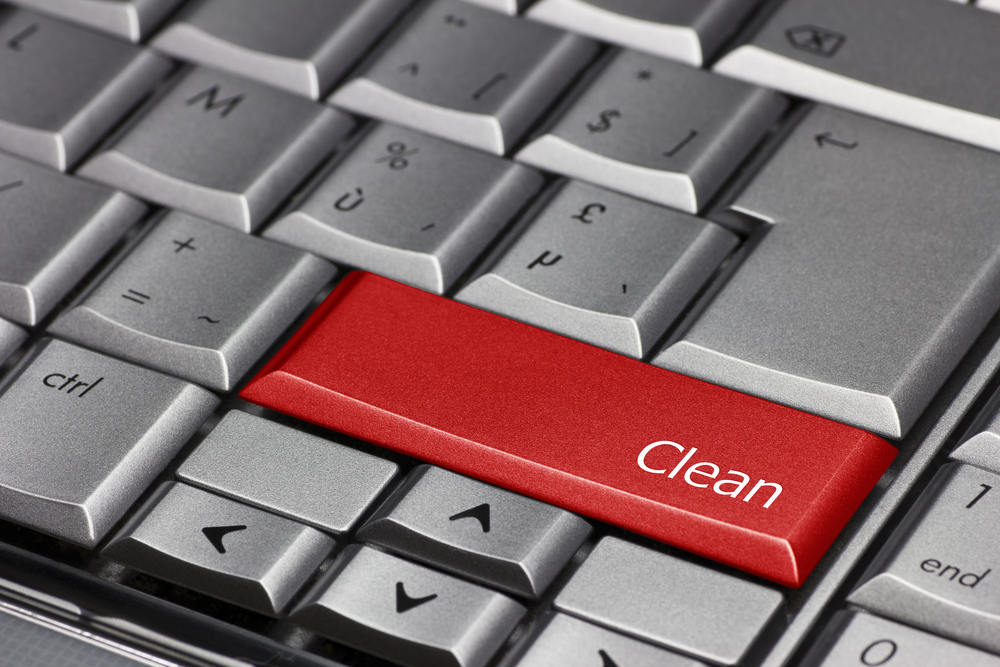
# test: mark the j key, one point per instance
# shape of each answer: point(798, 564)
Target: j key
point(603, 268)
point(66, 86)
point(500, 538)
point(288, 472)
point(133, 20)
point(221, 548)
point(564, 640)
point(860, 639)
point(872, 57)
point(406, 612)
point(10, 338)
point(83, 435)
point(196, 300)
point(54, 229)
point(941, 572)
point(221, 147)
point(658, 130)
point(410, 207)
point(302, 46)
point(982, 449)
point(575, 426)
point(468, 74)
point(837, 315)
point(686, 30)
point(671, 602)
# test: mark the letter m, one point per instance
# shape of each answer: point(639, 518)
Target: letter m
point(211, 103)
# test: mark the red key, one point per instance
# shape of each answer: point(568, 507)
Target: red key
point(740, 480)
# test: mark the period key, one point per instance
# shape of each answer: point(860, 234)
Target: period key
point(740, 480)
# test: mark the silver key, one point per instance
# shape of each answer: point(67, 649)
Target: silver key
point(686, 30)
point(219, 547)
point(133, 20)
point(459, 524)
point(55, 228)
point(83, 435)
point(941, 572)
point(839, 316)
point(564, 640)
point(991, 5)
point(657, 130)
point(407, 613)
point(468, 74)
point(862, 639)
point(302, 46)
point(983, 448)
point(410, 207)
point(11, 338)
point(603, 268)
point(872, 58)
point(511, 7)
point(288, 472)
point(671, 602)
point(66, 86)
point(221, 147)
point(196, 300)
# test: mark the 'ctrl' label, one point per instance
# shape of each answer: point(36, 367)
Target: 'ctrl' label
point(70, 384)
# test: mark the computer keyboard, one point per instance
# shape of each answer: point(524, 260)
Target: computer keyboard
point(497, 333)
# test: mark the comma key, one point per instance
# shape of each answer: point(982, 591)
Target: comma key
point(942, 571)
point(567, 423)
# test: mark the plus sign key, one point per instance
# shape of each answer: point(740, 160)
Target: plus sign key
point(196, 300)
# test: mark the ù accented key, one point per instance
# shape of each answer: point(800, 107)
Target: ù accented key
point(746, 482)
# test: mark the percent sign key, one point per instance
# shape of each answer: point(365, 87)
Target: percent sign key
point(398, 153)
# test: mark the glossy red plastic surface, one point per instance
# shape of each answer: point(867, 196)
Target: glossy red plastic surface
point(566, 423)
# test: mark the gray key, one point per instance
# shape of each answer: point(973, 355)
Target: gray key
point(941, 571)
point(459, 524)
point(603, 268)
point(288, 472)
point(65, 86)
point(564, 640)
point(511, 7)
point(856, 305)
point(410, 207)
point(10, 338)
point(302, 46)
point(872, 57)
point(861, 639)
point(83, 435)
point(197, 300)
point(221, 147)
point(686, 30)
point(658, 130)
point(30, 640)
point(128, 19)
point(407, 613)
point(671, 602)
point(219, 547)
point(55, 228)
point(468, 74)
point(983, 448)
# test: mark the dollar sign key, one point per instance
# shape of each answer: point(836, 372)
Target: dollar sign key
point(605, 123)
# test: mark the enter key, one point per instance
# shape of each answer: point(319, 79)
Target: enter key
point(941, 570)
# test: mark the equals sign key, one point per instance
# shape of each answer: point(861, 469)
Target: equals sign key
point(137, 297)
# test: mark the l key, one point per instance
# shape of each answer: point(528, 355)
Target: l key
point(578, 427)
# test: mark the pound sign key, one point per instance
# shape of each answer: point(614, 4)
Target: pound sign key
point(584, 215)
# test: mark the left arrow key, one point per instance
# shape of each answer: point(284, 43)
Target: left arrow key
point(219, 547)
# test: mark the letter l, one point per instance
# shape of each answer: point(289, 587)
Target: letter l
point(684, 460)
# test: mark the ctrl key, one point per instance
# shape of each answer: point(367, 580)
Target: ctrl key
point(82, 435)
